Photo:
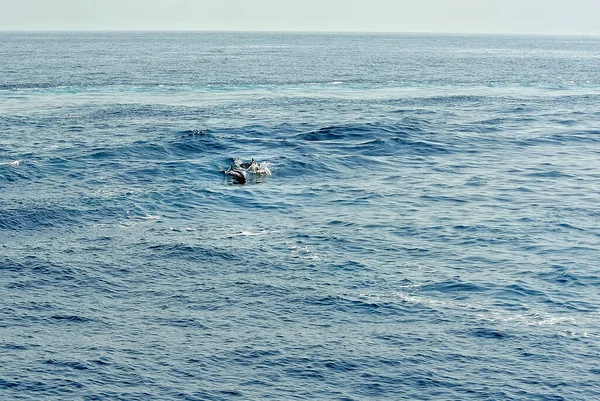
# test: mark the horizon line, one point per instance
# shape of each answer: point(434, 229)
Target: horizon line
point(365, 32)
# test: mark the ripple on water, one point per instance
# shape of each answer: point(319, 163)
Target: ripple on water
point(432, 237)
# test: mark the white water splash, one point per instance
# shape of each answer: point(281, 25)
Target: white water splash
point(13, 163)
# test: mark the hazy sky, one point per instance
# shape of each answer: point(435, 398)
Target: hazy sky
point(458, 16)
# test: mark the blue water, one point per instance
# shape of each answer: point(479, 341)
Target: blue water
point(430, 230)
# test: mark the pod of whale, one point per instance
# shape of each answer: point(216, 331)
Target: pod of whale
point(238, 170)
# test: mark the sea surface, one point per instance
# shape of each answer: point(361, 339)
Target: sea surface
point(430, 229)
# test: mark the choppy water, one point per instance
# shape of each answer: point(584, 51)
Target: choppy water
point(430, 229)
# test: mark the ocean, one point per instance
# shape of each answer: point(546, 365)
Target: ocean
point(429, 229)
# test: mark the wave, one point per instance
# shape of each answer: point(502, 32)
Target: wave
point(37, 216)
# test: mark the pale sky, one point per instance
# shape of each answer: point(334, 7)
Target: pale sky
point(452, 16)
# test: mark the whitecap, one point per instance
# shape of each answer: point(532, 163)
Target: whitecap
point(247, 234)
point(13, 163)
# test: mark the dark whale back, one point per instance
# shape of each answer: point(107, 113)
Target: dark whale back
point(237, 175)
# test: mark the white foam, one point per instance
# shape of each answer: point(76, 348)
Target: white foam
point(13, 163)
point(263, 169)
point(259, 169)
point(247, 234)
